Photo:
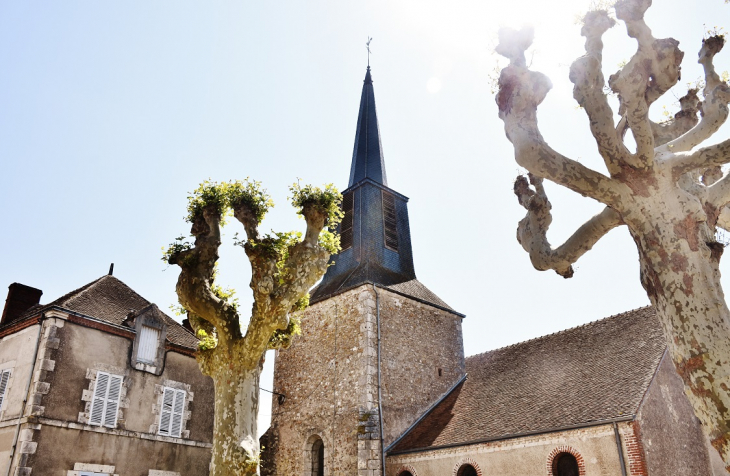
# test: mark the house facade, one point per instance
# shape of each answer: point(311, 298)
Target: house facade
point(100, 382)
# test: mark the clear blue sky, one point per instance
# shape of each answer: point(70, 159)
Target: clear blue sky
point(110, 112)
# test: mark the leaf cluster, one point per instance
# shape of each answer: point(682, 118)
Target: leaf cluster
point(207, 341)
point(276, 246)
point(327, 201)
point(226, 195)
point(175, 248)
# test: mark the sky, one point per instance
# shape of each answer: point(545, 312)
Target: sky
point(111, 112)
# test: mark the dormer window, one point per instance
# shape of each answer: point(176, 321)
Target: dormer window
point(148, 350)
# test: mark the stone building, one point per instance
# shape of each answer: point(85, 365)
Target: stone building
point(378, 378)
point(100, 382)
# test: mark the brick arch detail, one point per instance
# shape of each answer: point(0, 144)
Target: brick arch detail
point(407, 467)
point(565, 449)
point(471, 462)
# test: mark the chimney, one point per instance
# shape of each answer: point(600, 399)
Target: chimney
point(20, 299)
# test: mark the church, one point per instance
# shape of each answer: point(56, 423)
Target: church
point(378, 384)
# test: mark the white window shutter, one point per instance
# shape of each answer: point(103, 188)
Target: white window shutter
point(4, 377)
point(177, 413)
point(99, 399)
point(112, 403)
point(171, 414)
point(166, 411)
point(148, 341)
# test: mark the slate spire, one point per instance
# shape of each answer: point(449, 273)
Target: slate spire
point(367, 157)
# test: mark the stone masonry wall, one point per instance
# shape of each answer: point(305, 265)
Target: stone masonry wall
point(329, 376)
point(422, 358)
point(326, 376)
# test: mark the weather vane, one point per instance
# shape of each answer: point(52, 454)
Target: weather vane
point(367, 45)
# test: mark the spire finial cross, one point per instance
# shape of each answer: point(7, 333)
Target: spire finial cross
point(367, 45)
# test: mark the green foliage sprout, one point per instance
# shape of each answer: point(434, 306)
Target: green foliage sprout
point(282, 338)
point(175, 248)
point(251, 194)
point(207, 341)
point(207, 194)
point(327, 201)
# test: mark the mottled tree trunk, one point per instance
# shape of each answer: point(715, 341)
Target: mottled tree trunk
point(680, 272)
point(236, 410)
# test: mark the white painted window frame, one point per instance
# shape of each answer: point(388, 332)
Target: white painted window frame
point(105, 401)
point(176, 410)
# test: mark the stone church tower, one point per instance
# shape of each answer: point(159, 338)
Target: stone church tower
point(377, 348)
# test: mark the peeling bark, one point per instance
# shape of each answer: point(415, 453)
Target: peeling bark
point(670, 195)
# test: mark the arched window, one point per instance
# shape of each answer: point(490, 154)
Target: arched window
point(405, 473)
point(318, 457)
point(565, 464)
point(467, 470)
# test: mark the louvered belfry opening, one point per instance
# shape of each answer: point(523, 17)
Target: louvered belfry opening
point(390, 221)
point(348, 202)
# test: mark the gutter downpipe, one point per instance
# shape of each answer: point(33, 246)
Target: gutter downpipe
point(380, 392)
point(620, 449)
point(27, 391)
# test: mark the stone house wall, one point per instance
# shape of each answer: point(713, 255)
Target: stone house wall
point(329, 376)
point(70, 354)
point(16, 353)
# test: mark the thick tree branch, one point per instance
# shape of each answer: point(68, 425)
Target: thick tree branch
point(278, 288)
point(714, 107)
point(652, 71)
point(706, 157)
point(719, 192)
point(532, 230)
point(197, 273)
point(520, 92)
point(682, 121)
point(587, 76)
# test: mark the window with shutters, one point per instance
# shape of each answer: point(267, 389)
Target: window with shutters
point(4, 382)
point(171, 413)
point(149, 338)
point(105, 401)
point(348, 202)
point(390, 221)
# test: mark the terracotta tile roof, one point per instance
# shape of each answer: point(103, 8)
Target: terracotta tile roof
point(594, 372)
point(109, 299)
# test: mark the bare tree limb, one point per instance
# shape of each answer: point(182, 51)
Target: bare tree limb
point(706, 157)
point(714, 107)
point(532, 230)
point(521, 91)
point(653, 70)
point(197, 267)
point(683, 121)
point(587, 76)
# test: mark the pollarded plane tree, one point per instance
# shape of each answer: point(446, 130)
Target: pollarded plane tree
point(670, 193)
point(284, 266)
